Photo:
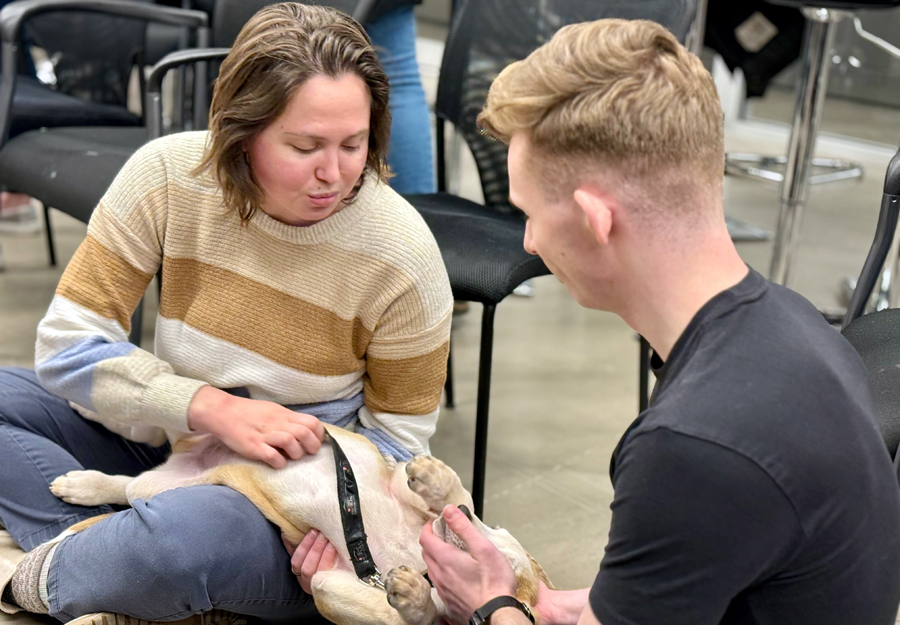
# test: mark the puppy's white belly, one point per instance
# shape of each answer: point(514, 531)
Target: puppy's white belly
point(305, 491)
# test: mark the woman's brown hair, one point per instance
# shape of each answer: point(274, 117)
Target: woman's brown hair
point(279, 49)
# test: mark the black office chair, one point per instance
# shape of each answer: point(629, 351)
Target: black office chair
point(69, 168)
point(89, 80)
point(876, 336)
point(482, 244)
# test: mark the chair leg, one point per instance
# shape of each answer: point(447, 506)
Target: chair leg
point(481, 413)
point(448, 383)
point(137, 318)
point(51, 247)
point(644, 373)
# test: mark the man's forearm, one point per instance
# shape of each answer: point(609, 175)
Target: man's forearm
point(509, 616)
point(563, 607)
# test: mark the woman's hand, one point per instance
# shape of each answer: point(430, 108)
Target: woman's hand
point(259, 430)
point(465, 580)
point(313, 554)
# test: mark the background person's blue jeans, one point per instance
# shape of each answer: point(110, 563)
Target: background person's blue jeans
point(410, 156)
point(184, 551)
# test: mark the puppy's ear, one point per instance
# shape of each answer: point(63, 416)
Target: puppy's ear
point(540, 573)
point(527, 582)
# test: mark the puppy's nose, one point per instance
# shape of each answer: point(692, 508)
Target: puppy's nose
point(466, 511)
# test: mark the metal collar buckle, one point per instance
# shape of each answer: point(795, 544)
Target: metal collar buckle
point(375, 581)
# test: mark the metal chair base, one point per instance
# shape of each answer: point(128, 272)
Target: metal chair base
point(762, 167)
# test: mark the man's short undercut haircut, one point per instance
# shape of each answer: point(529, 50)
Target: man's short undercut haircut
point(616, 93)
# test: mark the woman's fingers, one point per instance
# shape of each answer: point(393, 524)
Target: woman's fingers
point(305, 437)
point(267, 454)
point(310, 422)
point(302, 550)
point(314, 561)
point(286, 442)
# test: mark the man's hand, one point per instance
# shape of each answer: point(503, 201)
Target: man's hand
point(465, 580)
point(313, 554)
point(259, 430)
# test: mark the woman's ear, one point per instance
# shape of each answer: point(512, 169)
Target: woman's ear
point(597, 212)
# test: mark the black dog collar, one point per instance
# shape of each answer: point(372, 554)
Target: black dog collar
point(352, 521)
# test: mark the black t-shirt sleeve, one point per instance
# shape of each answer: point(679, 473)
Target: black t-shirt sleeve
point(693, 524)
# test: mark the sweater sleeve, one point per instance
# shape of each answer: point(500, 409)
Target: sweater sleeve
point(82, 351)
point(406, 359)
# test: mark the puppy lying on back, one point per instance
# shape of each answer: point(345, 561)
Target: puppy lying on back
point(395, 503)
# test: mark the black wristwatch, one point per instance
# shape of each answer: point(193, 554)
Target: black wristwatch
point(482, 614)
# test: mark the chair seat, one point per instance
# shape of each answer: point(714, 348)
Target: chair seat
point(876, 337)
point(482, 248)
point(69, 168)
point(37, 106)
point(846, 5)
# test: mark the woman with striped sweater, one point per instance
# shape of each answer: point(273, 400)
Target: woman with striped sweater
point(297, 288)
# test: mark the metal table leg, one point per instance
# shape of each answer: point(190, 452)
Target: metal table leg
point(818, 41)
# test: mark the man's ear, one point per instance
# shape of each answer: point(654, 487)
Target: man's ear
point(597, 212)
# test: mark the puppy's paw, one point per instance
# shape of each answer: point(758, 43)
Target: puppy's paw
point(90, 488)
point(436, 483)
point(409, 594)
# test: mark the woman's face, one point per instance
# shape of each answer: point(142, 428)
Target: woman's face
point(309, 159)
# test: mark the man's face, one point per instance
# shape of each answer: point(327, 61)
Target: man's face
point(557, 230)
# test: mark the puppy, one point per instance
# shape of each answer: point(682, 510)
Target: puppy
point(395, 502)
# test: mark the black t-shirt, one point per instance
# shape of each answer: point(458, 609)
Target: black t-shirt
point(756, 487)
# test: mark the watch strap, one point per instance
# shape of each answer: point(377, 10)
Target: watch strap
point(482, 614)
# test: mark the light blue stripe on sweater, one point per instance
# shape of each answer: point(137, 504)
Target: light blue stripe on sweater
point(345, 413)
point(70, 373)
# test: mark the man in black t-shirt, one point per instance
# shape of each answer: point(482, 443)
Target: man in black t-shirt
point(756, 487)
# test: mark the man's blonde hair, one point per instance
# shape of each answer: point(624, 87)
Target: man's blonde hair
point(624, 95)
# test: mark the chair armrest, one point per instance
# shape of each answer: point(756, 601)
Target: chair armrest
point(892, 178)
point(200, 56)
point(178, 58)
point(14, 15)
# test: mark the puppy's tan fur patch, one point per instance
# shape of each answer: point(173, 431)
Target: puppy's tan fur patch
point(246, 479)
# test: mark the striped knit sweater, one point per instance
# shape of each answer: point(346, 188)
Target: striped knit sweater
point(357, 306)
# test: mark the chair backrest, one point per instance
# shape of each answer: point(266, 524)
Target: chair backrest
point(881, 244)
point(229, 16)
point(93, 53)
point(488, 35)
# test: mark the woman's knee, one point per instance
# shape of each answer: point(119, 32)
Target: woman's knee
point(199, 530)
point(187, 548)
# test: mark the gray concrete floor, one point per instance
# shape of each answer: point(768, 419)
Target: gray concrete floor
point(564, 378)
